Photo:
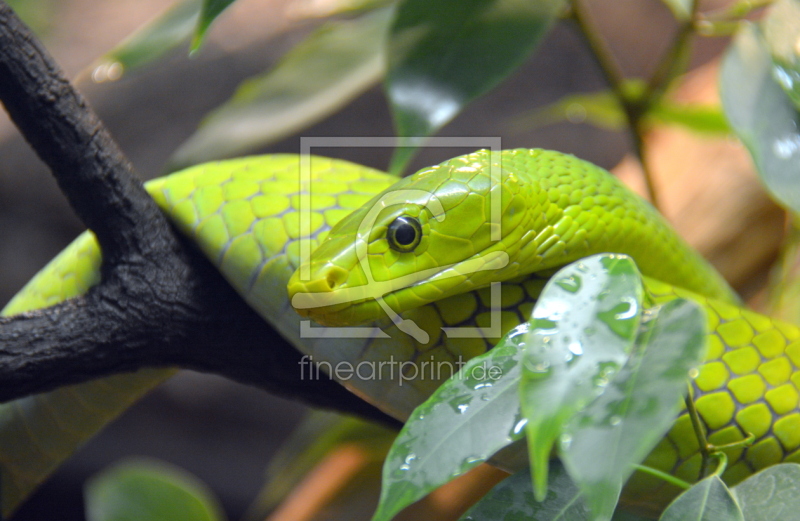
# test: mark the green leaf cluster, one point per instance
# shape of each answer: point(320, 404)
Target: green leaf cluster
point(768, 495)
point(597, 374)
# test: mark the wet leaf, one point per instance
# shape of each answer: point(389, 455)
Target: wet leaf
point(469, 418)
point(333, 65)
point(149, 43)
point(512, 499)
point(770, 494)
point(584, 326)
point(211, 10)
point(602, 442)
point(444, 54)
point(781, 32)
point(708, 500)
point(148, 490)
point(762, 115)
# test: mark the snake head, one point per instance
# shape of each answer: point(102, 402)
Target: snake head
point(445, 230)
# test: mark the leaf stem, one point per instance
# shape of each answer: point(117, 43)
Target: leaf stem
point(669, 478)
point(699, 431)
point(722, 465)
point(674, 62)
point(736, 444)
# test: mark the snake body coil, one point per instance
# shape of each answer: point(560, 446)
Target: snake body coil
point(427, 245)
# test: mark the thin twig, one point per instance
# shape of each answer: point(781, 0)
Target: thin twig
point(699, 432)
point(674, 62)
point(616, 81)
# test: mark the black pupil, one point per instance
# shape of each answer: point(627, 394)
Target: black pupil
point(405, 234)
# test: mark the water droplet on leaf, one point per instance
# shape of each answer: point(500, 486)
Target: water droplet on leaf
point(571, 283)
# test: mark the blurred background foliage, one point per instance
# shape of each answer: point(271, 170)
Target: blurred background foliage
point(176, 89)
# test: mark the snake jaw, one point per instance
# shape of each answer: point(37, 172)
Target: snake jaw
point(329, 305)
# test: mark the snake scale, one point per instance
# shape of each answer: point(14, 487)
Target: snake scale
point(431, 248)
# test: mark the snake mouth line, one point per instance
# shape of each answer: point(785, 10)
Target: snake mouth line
point(326, 306)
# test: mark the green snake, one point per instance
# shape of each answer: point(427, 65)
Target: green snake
point(400, 262)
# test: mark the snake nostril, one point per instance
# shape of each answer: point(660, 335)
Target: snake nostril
point(335, 277)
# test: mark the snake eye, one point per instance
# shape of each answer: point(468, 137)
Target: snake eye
point(404, 234)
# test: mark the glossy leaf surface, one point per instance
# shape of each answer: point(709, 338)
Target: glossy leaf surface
point(770, 494)
point(762, 115)
point(469, 418)
point(512, 500)
point(781, 32)
point(708, 500)
point(152, 41)
point(584, 326)
point(444, 54)
point(602, 443)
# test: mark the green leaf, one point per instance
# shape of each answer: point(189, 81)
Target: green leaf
point(770, 494)
point(584, 325)
point(703, 119)
point(512, 499)
point(149, 43)
point(211, 10)
point(602, 110)
point(147, 490)
point(781, 32)
point(682, 9)
point(313, 9)
point(444, 54)
point(708, 500)
point(334, 64)
point(762, 115)
point(469, 418)
point(602, 443)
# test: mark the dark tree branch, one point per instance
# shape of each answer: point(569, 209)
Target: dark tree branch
point(160, 303)
point(55, 119)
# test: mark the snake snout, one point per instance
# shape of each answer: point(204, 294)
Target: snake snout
point(318, 291)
